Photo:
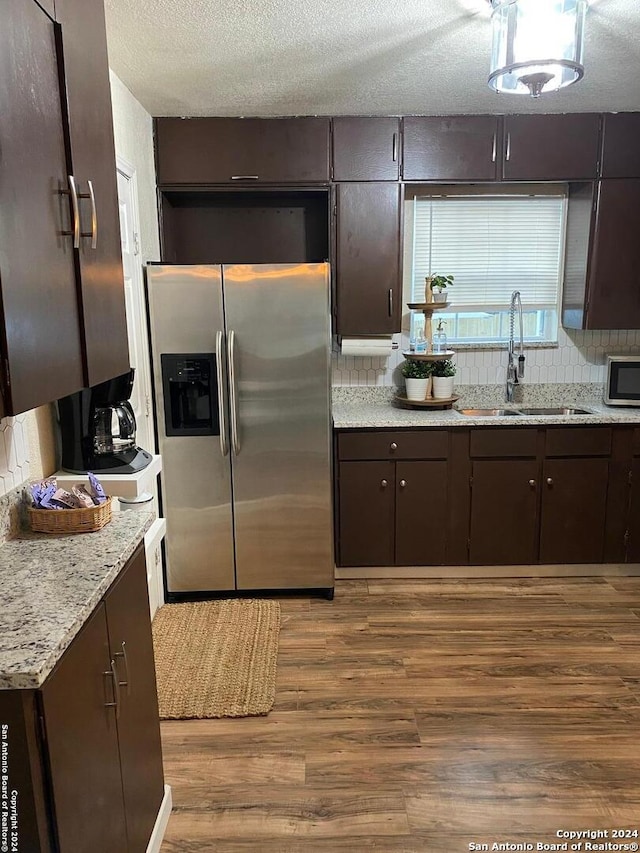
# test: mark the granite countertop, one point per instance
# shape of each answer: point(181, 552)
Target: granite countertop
point(50, 585)
point(374, 408)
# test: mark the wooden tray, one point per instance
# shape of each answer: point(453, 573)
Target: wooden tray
point(429, 356)
point(429, 403)
point(428, 306)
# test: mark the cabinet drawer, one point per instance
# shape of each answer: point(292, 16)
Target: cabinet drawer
point(394, 445)
point(583, 441)
point(503, 442)
point(636, 442)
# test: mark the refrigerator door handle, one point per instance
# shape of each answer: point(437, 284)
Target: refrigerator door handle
point(231, 353)
point(222, 409)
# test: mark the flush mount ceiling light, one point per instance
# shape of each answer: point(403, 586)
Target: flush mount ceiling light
point(537, 45)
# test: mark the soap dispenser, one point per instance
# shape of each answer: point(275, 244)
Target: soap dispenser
point(440, 339)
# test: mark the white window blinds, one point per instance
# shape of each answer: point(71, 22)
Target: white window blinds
point(493, 245)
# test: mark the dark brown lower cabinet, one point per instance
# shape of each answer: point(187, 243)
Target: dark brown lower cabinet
point(633, 538)
point(574, 510)
point(89, 738)
point(421, 511)
point(504, 517)
point(366, 495)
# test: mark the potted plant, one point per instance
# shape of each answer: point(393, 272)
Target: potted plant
point(417, 377)
point(443, 373)
point(438, 285)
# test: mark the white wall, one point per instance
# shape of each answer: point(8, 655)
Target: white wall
point(133, 131)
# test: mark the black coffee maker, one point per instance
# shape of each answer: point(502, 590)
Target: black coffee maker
point(98, 429)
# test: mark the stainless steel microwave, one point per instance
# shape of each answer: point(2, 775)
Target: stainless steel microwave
point(622, 387)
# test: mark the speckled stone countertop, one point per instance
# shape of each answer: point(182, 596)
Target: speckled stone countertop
point(50, 585)
point(356, 407)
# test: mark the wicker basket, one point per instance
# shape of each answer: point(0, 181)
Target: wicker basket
point(85, 520)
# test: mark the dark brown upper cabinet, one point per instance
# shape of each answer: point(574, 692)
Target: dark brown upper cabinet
point(368, 267)
point(90, 129)
point(551, 147)
point(242, 151)
point(603, 251)
point(621, 145)
point(41, 345)
point(451, 148)
point(366, 148)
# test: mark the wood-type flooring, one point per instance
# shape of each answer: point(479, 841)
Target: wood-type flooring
point(417, 716)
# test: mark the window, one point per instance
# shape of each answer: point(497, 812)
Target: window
point(493, 245)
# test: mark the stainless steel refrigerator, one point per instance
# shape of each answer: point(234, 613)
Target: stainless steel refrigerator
point(241, 359)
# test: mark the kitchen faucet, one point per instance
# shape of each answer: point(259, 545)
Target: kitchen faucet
point(515, 372)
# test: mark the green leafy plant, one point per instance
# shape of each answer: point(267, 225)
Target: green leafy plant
point(417, 369)
point(440, 282)
point(444, 368)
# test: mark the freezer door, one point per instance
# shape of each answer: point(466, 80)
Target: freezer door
point(189, 374)
point(278, 336)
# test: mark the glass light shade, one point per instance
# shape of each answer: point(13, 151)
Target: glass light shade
point(537, 45)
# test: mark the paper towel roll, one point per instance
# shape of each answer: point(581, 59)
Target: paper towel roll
point(380, 347)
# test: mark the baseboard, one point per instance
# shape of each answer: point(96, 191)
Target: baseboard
point(162, 819)
point(471, 572)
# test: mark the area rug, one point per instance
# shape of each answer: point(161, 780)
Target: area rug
point(216, 658)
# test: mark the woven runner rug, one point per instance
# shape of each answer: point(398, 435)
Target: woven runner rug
point(216, 658)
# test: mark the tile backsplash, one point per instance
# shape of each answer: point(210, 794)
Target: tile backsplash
point(578, 357)
point(14, 452)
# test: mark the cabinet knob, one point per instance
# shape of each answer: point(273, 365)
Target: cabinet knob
point(393, 446)
point(403, 483)
point(532, 483)
point(549, 481)
point(384, 484)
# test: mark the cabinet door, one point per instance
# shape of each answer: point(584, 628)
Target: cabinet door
point(574, 504)
point(82, 740)
point(86, 79)
point(366, 148)
point(138, 726)
point(621, 145)
point(613, 300)
point(242, 150)
point(366, 516)
point(368, 276)
point(42, 345)
point(551, 147)
point(450, 148)
point(633, 545)
point(504, 523)
point(421, 513)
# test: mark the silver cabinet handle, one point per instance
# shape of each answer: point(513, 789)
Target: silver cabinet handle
point(391, 302)
point(393, 446)
point(111, 673)
point(94, 216)
point(127, 681)
point(222, 408)
point(73, 192)
point(233, 393)
point(395, 148)
point(245, 177)
point(403, 483)
point(384, 483)
point(494, 148)
point(549, 481)
point(508, 155)
point(532, 483)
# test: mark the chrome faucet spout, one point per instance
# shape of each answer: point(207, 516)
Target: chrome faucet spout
point(515, 366)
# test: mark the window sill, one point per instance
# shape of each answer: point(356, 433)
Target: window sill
point(501, 347)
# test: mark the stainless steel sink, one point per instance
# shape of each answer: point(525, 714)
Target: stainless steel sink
point(562, 410)
point(489, 413)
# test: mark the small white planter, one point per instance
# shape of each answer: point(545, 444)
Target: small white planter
point(417, 388)
point(442, 387)
point(440, 297)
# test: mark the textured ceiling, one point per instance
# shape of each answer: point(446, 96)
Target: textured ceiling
point(349, 57)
